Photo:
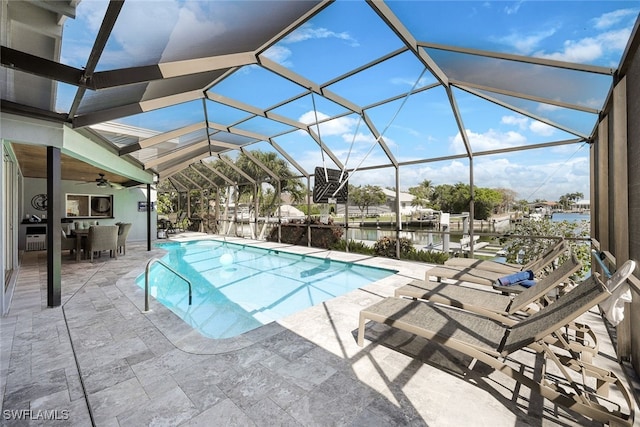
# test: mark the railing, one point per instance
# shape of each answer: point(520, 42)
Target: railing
point(146, 280)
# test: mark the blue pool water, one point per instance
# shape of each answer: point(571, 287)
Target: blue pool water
point(237, 288)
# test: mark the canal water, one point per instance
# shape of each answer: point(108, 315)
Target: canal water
point(424, 237)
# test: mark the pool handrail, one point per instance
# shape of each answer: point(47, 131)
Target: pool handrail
point(146, 280)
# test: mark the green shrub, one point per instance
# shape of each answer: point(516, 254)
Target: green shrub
point(387, 247)
point(524, 249)
point(354, 247)
point(431, 257)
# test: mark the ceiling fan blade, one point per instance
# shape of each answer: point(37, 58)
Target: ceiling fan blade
point(116, 186)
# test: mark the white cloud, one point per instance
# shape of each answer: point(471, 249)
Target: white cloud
point(590, 48)
point(513, 8)
point(520, 122)
point(490, 140)
point(585, 50)
point(279, 54)
point(527, 44)
point(308, 32)
point(542, 129)
point(611, 18)
point(337, 126)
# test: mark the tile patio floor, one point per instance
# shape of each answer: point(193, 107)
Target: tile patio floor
point(98, 360)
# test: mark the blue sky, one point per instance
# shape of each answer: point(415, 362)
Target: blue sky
point(348, 34)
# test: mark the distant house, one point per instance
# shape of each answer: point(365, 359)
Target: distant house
point(582, 205)
point(406, 200)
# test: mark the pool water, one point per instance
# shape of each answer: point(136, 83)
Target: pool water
point(237, 288)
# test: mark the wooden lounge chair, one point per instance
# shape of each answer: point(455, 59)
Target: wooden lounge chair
point(491, 341)
point(488, 277)
point(551, 254)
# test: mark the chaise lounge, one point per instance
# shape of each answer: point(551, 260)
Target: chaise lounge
point(489, 277)
point(502, 307)
point(490, 342)
point(548, 256)
point(485, 302)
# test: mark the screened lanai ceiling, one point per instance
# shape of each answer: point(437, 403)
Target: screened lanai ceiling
point(354, 85)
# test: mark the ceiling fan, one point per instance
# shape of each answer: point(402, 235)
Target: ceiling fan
point(103, 182)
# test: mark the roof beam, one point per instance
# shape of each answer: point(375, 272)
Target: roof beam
point(379, 139)
point(174, 181)
point(459, 122)
point(284, 154)
point(177, 153)
point(188, 179)
point(178, 167)
point(295, 24)
point(487, 153)
point(136, 108)
point(32, 64)
point(125, 76)
point(513, 94)
point(221, 99)
point(394, 24)
point(160, 138)
point(521, 58)
point(260, 164)
point(239, 171)
point(523, 112)
point(220, 174)
point(110, 18)
point(195, 169)
point(308, 84)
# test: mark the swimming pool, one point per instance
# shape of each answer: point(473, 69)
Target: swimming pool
point(237, 288)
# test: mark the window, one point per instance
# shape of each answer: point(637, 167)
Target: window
point(89, 206)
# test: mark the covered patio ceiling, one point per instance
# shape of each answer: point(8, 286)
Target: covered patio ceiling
point(355, 85)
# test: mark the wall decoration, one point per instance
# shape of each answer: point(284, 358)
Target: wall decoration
point(39, 202)
point(142, 206)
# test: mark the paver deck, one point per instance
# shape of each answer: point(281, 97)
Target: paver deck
point(98, 359)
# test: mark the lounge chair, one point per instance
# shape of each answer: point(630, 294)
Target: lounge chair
point(489, 303)
point(490, 342)
point(489, 278)
point(502, 307)
point(551, 254)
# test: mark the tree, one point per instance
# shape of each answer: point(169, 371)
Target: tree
point(244, 191)
point(421, 194)
point(508, 199)
point(369, 195)
point(288, 184)
point(567, 200)
point(486, 201)
point(457, 198)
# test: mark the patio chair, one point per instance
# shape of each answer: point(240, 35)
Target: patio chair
point(103, 238)
point(67, 242)
point(488, 277)
point(552, 253)
point(490, 342)
point(123, 232)
point(502, 307)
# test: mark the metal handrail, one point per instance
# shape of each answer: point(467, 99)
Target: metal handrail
point(146, 280)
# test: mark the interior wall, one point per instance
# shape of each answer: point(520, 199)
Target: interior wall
point(125, 204)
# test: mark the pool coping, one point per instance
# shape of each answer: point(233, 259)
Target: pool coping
point(186, 338)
